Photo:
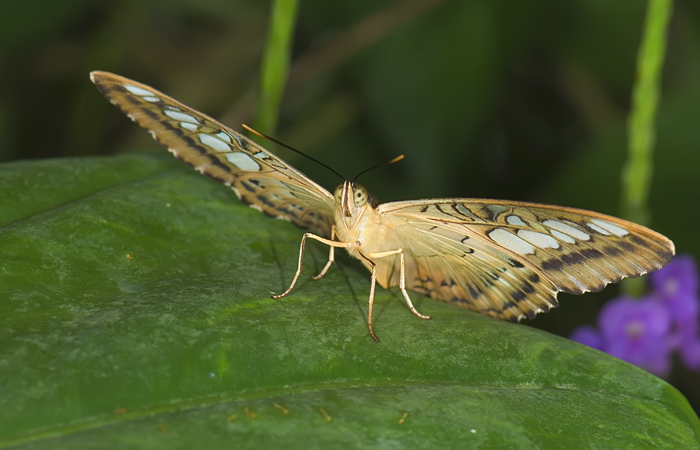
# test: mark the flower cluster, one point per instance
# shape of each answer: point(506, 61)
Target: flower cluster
point(646, 331)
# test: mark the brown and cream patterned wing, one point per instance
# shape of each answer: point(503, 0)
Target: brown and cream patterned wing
point(509, 259)
point(259, 178)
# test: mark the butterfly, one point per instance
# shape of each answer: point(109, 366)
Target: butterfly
point(506, 259)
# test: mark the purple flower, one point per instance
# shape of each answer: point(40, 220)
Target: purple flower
point(645, 331)
point(637, 331)
point(678, 279)
point(689, 350)
point(677, 285)
point(588, 336)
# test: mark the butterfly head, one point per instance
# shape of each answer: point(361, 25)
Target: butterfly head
point(352, 197)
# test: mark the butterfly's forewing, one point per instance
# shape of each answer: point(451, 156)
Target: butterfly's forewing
point(258, 177)
point(509, 259)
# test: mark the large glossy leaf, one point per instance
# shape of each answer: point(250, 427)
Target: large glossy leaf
point(135, 312)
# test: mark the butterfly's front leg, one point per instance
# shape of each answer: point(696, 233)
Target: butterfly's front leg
point(302, 249)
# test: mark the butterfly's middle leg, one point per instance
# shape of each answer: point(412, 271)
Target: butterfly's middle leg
point(302, 250)
point(331, 257)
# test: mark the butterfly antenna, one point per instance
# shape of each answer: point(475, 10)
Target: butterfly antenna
point(264, 136)
point(385, 163)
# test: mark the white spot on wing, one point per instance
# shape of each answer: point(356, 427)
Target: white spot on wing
point(511, 242)
point(243, 161)
point(497, 209)
point(223, 136)
point(151, 99)
point(238, 140)
point(464, 211)
point(137, 90)
point(611, 227)
point(567, 229)
point(188, 126)
point(600, 230)
point(212, 142)
point(180, 116)
point(515, 220)
point(563, 237)
point(261, 155)
point(537, 239)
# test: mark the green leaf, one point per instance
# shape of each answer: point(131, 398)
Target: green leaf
point(136, 313)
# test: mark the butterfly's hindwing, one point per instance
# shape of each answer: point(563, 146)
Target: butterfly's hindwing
point(259, 178)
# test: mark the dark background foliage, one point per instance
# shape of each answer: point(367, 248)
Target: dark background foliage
point(486, 98)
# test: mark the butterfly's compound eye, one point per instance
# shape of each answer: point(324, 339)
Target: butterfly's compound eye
point(361, 196)
point(338, 192)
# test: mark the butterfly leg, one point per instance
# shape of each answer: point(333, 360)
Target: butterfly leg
point(331, 257)
point(402, 278)
point(302, 249)
point(372, 286)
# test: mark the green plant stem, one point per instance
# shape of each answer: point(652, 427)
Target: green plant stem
point(275, 64)
point(637, 173)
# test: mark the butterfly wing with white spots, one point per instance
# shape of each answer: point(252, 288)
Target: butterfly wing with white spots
point(509, 259)
point(259, 178)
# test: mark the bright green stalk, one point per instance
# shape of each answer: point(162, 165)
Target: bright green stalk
point(275, 64)
point(637, 173)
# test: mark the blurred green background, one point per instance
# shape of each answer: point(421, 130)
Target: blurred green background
point(486, 98)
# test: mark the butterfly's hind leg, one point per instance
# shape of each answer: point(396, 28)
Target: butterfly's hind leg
point(302, 250)
point(373, 283)
point(372, 286)
point(402, 278)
